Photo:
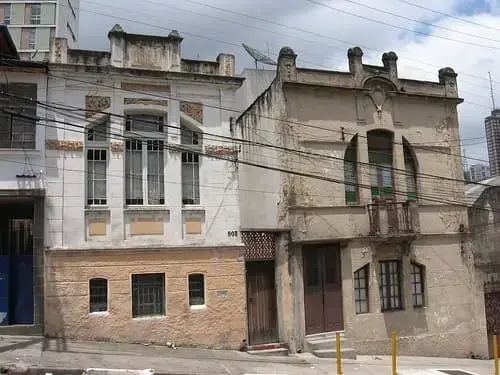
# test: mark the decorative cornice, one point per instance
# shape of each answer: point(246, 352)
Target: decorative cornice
point(95, 104)
point(145, 101)
point(144, 87)
point(116, 146)
point(221, 150)
point(193, 110)
point(63, 145)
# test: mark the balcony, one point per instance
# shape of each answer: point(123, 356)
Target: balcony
point(393, 219)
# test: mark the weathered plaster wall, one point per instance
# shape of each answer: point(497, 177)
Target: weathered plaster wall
point(220, 324)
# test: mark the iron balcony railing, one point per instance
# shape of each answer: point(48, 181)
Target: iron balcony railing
point(388, 218)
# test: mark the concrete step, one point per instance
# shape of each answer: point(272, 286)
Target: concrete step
point(345, 353)
point(269, 352)
point(324, 335)
point(328, 343)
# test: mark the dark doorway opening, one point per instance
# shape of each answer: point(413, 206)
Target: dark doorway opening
point(16, 263)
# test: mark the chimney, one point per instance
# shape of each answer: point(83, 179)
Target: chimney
point(390, 61)
point(287, 70)
point(58, 50)
point(448, 78)
point(355, 56)
point(226, 64)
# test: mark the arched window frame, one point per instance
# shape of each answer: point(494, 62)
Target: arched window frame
point(351, 172)
point(411, 170)
point(98, 295)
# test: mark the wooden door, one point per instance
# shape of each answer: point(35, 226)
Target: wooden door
point(322, 289)
point(261, 303)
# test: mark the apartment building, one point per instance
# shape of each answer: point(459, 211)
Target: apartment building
point(492, 127)
point(143, 240)
point(479, 172)
point(22, 191)
point(33, 23)
point(359, 238)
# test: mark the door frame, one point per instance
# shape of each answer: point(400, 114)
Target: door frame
point(321, 246)
point(276, 305)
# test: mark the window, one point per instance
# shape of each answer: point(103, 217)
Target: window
point(196, 289)
point(411, 172)
point(148, 295)
point(191, 166)
point(390, 285)
point(32, 38)
point(145, 160)
point(96, 176)
point(36, 12)
point(6, 14)
point(351, 172)
point(380, 158)
point(18, 126)
point(98, 132)
point(98, 291)
point(361, 290)
point(417, 285)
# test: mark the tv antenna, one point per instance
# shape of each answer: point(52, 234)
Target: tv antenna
point(258, 56)
point(491, 91)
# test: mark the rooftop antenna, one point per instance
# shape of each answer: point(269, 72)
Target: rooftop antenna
point(491, 91)
point(258, 56)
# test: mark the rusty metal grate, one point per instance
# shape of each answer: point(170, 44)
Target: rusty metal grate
point(259, 245)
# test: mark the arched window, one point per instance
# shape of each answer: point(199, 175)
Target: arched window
point(98, 295)
point(196, 289)
point(411, 172)
point(351, 171)
point(380, 150)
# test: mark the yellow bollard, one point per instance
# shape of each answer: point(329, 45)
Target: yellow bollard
point(339, 356)
point(393, 344)
point(495, 353)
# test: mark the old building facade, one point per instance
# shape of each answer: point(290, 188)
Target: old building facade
point(143, 237)
point(22, 191)
point(366, 240)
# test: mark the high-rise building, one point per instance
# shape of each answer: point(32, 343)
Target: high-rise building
point(479, 172)
point(492, 125)
point(32, 24)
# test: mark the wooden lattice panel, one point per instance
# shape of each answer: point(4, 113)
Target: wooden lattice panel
point(259, 245)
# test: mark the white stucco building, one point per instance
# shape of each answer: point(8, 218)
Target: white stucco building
point(143, 241)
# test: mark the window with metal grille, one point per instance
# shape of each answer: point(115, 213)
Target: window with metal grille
point(36, 14)
point(361, 290)
point(417, 285)
point(390, 285)
point(148, 294)
point(96, 176)
point(196, 289)
point(98, 295)
point(6, 14)
point(191, 139)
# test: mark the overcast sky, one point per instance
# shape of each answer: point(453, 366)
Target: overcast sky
point(321, 36)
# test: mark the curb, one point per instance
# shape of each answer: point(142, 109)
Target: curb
point(69, 371)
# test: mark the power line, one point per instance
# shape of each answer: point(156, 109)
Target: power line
point(449, 15)
point(254, 143)
point(401, 27)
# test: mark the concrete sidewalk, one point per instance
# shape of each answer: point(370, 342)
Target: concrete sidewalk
point(69, 357)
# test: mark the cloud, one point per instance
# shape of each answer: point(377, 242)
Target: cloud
point(208, 31)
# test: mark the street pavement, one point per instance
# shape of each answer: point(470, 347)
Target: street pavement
point(61, 357)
